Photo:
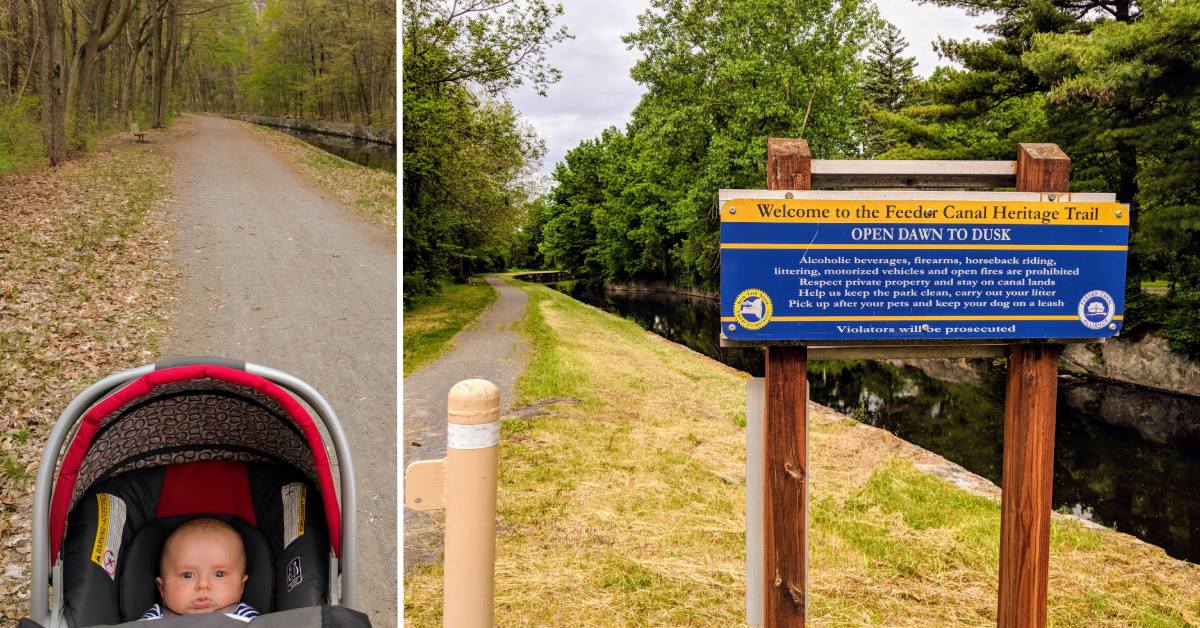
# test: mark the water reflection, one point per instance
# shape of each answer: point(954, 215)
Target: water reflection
point(369, 154)
point(1125, 457)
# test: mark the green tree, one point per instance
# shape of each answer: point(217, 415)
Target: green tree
point(1135, 86)
point(467, 155)
point(569, 238)
point(217, 55)
point(324, 60)
point(721, 76)
point(888, 85)
point(888, 76)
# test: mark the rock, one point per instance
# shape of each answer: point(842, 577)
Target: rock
point(956, 370)
point(1158, 417)
point(1146, 362)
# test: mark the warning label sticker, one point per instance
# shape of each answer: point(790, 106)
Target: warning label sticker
point(110, 523)
point(295, 500)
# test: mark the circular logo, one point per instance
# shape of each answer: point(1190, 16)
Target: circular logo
point(1096, 309)
point(752, 309)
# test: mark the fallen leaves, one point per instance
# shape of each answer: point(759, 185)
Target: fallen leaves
point(84, 252)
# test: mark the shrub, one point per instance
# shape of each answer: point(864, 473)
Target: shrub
point(20, 139)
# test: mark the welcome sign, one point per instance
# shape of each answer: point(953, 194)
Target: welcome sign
point(917, 267)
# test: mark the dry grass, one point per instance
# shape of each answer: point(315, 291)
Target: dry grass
point(371, 192)
point(627, 509)
point(84, 290)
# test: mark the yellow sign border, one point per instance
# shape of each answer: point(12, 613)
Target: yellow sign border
point(875, 211)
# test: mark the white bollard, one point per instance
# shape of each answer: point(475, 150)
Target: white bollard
point(755, 479)
point(472, 459)
point(464, 484)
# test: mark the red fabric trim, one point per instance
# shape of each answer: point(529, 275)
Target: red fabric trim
point(211, 487)
point(69, 471)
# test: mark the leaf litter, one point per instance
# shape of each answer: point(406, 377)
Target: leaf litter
point(85, 285)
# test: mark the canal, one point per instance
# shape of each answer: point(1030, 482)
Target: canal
point(1102, 471)
point(370, 154)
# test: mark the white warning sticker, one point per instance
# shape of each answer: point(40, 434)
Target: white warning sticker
point(110, 523)
point(295, 499)
point(479, 436)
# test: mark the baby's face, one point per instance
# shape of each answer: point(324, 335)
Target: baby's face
point(202, 570)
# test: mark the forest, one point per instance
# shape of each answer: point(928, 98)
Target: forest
point(73, 71)
point(1113, 82)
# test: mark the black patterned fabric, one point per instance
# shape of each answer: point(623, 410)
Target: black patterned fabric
point(194, 420)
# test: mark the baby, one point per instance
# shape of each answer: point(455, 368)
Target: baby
point(202, 570)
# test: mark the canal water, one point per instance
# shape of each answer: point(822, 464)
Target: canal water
point(370, 154)
point(1103, 472)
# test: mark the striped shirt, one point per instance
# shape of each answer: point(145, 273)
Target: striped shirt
point(240, 611)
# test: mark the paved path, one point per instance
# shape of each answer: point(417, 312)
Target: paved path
point(277, 273)
point(490, 349)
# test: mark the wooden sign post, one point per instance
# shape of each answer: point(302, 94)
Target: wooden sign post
point(1029, 406)
point(785, 503)
point(1062, 252)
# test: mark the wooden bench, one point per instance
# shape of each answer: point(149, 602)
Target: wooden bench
point(137, 132)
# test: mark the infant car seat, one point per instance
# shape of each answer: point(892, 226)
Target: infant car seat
point(117, 531)
point(183, 439)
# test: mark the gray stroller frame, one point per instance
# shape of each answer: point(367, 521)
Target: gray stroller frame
point(50, 613)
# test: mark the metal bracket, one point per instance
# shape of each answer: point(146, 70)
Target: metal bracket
point(425, 485)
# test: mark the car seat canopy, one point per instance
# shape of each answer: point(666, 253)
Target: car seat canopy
point(192, 414)
point(193, 421)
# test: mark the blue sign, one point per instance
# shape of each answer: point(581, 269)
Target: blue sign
point(904, 271)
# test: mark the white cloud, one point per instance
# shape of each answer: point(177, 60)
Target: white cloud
point(596, 91)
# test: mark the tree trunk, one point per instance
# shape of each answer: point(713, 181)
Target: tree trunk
point(171, 45)
point(135, 41)
point(1127, 190)
point(83, 64)
point(156, 66)
point(102, 32)
point(98, 105)
point(53, 79)
point(12, 50)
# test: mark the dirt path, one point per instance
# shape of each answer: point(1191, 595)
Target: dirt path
point(490, 349)
point(276, 273)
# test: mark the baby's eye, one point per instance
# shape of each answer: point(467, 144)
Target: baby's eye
point(187, 575)
point(220, 573)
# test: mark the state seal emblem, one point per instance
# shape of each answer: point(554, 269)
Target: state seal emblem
point(752, 309)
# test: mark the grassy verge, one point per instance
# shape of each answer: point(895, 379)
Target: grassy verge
point(371, 192)
point(433, 321)
point(84, 287)
point(622, 505)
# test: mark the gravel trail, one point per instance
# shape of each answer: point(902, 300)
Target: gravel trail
point(489, 349)
point(278, 273)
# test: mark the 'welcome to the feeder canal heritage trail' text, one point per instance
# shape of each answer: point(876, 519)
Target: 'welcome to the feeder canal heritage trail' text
point(920, 270)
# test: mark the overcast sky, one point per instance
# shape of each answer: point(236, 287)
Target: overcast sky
point(596, 92)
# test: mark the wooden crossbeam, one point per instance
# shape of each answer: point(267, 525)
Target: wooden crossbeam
point(909, 173)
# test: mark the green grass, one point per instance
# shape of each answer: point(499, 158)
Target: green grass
point(549, 373)
point(899, 522)
point(434, 320)
point(626, 508)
